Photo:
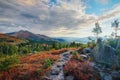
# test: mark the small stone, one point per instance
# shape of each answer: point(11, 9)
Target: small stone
point(55, 71)
point(69, 78)
point(45, 78)
point(61, 60)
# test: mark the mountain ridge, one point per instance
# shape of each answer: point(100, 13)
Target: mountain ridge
point(24, 34)
point(10, 39)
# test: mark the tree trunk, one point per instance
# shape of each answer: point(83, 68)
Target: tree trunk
point(115, 32)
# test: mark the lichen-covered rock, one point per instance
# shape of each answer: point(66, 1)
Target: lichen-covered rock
point(118, 44)
point(105, 54)
point(105, 76)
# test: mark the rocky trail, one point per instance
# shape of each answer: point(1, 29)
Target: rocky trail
point(57, 69)
point(56, 72)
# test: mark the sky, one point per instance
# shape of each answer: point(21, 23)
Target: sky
point(59, 18)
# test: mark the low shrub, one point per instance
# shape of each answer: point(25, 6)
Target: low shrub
point(74, 53)
point(6, 61)
point(39, 70)
point(80, 70)
point(47, 63)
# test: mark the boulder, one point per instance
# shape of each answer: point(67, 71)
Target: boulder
point(116, 74)
point(105, 76)
point(105, 54)
point(118, 44)
point(86, 50)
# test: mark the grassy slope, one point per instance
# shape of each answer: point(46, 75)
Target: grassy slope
point(9, 39)
point(30, 67)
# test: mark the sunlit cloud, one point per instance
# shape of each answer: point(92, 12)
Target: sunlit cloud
point(102, 1)
point(55, 18)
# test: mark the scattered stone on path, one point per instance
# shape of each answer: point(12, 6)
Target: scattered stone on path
point(69, 78)
point(57, 69)
point(45, 78)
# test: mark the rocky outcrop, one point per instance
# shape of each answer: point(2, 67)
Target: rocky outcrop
point(118, 44)
point(105, 54)
point(86, 50)
point(105, 76)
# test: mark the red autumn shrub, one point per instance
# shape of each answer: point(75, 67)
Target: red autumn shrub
point(80, 70)
point(28, 66)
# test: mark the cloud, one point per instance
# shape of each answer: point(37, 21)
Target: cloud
point(27, 2)
point(102, 1)
point(50, 17)
point(111, 14)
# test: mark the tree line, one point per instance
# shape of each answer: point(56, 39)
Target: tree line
point(33, 47)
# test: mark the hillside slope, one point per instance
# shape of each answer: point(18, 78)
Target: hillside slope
point(33, 37)
point(10, 39)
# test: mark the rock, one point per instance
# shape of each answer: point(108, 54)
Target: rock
point(105, 76)
point(84, 57)
point(105, 54)
point(60, 76)
point(66, 58)
point(66, 55)
point(55, 71)
point(59, 65)
point(115, 74)
point(45, 78)
point(86, 50)
point(69, 78)
point(118, 44)
point(61, 60)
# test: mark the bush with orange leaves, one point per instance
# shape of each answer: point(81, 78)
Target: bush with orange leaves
point(80, 70)
point(30, 67)
point(56, 52)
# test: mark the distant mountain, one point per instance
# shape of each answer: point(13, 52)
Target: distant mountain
point(10, 39)
point(33, 37)
point(74, 39)
point(59, 39)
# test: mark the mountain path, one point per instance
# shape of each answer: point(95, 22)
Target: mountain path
point(57, 72)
